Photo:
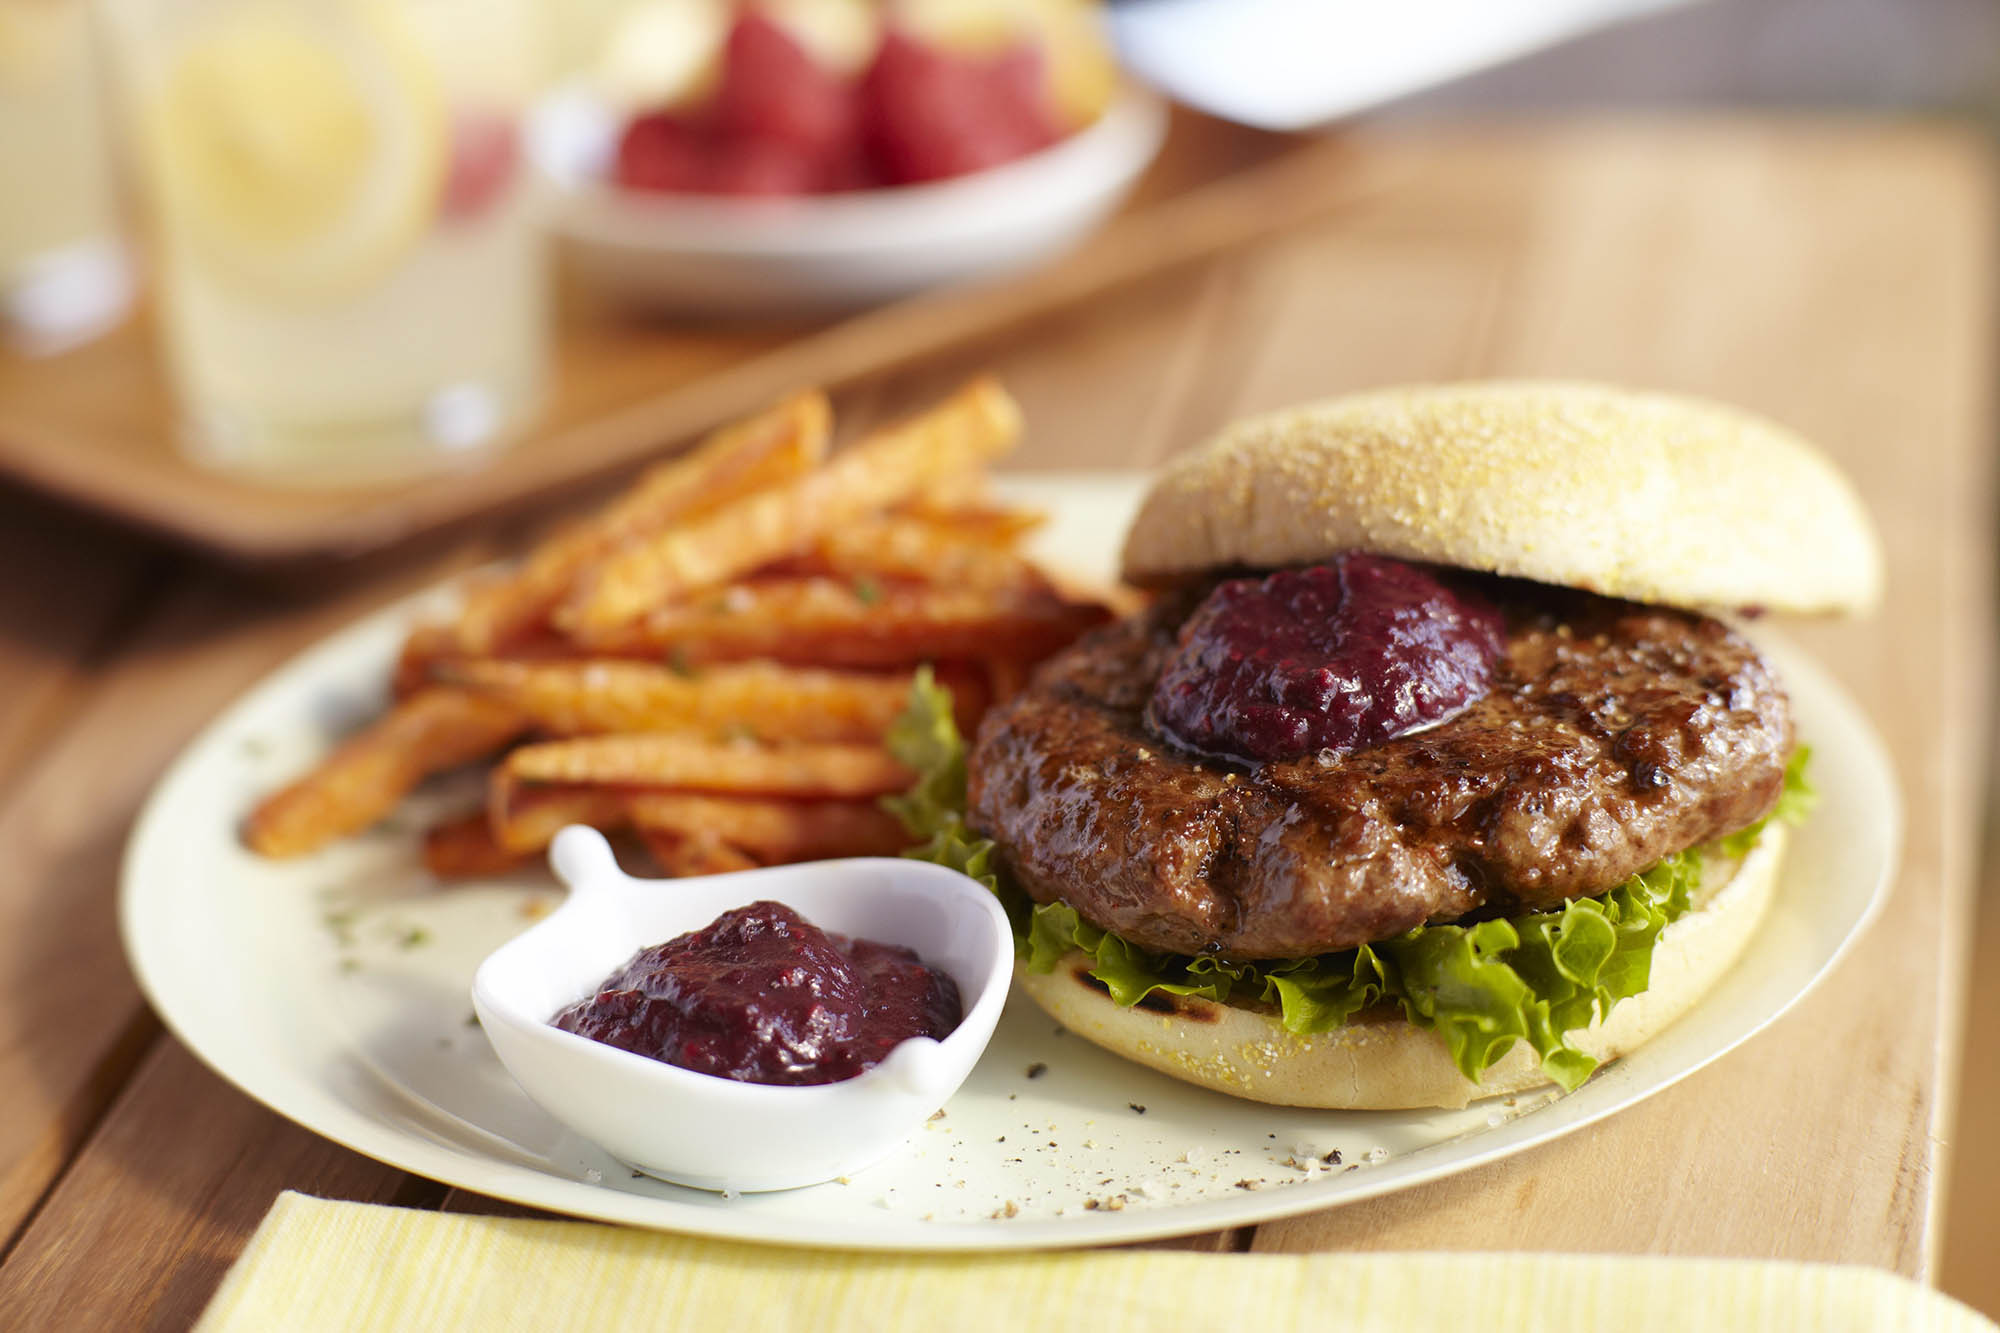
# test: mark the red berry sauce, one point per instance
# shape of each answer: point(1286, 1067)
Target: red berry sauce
point(762, 995)
point(1327, 659)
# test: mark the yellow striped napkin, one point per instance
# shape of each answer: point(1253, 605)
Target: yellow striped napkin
point(315, 1264)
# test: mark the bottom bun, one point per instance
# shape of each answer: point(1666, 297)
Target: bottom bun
point(1379, 1063)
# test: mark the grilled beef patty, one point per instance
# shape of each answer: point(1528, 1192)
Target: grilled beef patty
point(1614, 735)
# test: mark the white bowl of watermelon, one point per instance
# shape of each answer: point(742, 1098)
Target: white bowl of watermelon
point(785, 188)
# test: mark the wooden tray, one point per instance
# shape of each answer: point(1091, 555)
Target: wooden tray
point(95, 426)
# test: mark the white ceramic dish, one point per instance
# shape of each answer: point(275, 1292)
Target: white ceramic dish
point(695, 255)
point(333, 990)
point(713, 1133)
point(1294, 64)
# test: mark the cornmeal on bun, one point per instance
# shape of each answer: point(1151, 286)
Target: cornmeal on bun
point(1429, 773)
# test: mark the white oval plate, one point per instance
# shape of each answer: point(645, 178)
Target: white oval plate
point(334, 990)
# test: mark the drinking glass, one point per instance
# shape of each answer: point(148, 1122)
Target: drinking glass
point(350, 276)
point(64, 275)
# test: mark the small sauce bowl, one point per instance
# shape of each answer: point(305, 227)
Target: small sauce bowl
point(715, 1133)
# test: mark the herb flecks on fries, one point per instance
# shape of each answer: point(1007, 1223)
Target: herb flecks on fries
point(710, 662)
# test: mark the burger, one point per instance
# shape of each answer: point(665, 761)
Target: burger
point(1431, 770)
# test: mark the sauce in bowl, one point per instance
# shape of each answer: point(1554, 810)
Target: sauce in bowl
point(761, 995)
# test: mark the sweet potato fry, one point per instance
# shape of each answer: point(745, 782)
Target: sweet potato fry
point(717, 653)
point(425, 646)
point(1005, 678)
point(828, 622)
point(974, 519)
point(432, 730)
point(773, 831)
point(756, 700)
point(954, 490)
point(523, 820)
point(464, 848)
point(978, 422)
point(684, 858)
point(739, 460)
point(430, 658)
point(665, 760)
point(917, 550)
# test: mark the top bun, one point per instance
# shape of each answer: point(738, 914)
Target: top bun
point(1643, 496)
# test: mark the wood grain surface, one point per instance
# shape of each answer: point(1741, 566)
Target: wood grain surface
point(1837, 275)
point(96, 427)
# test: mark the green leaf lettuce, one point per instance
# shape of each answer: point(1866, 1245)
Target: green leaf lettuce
point(1482, 987)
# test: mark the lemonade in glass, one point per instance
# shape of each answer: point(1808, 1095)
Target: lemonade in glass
point(350, 279)
point(63, 273)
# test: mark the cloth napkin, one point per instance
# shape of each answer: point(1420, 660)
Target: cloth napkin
point(315, 1264)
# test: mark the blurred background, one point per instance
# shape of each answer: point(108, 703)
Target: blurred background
point(329, 249)
point(370, 228)
point(1877, 55)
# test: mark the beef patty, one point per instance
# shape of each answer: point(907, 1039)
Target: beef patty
point(1615, 734)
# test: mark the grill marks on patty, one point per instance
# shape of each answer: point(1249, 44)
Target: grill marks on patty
point(1615, 734)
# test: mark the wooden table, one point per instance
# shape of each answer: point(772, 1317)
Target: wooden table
point(1836, 275)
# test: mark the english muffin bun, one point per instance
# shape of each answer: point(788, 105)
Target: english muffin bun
point(1380, 1062)
point(1643, 496)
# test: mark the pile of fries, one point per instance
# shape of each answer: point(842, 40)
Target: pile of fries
point(712, 660)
